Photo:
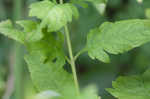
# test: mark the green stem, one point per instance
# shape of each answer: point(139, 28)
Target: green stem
point(18, 50)
point(79, 53)
point(68, 60)
point(72, 62)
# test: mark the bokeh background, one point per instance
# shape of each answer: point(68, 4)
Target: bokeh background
point(15, 81)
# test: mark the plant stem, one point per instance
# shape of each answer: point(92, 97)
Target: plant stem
point(72, 60)
point(18, 50)
point(79, 53)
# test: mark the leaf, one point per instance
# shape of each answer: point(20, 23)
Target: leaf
point(90, 92)
point(45, 56)
point(84, 4)
point(7, 29)
point(32, 30)
point(46, 64)
point(53, 16)
point(49, 75)
point(132, 87)
point(116, 38)
point(41, 9)
point(50, 43)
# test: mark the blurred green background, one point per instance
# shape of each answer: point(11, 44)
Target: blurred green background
point(15, 81)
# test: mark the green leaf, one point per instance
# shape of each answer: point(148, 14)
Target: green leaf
point(53, 16)
point(41, 9)
point(116, 38)
point(7, 29)
point(50, 75)
point(51, 42)
point(46, 63)
point(84, 4)
point(132, 87)
point(90, 92)
point(32, 30)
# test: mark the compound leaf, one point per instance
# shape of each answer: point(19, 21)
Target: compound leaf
point(7, 29)
point(116, 38)
point(53, 16)
point(132, 87)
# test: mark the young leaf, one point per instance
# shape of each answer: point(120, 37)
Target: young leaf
point(41, 9)
point(7, 29)
point(132, 87)
point(53, 16)
point(116, 38)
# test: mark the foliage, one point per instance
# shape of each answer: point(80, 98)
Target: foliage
point(44, 40)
